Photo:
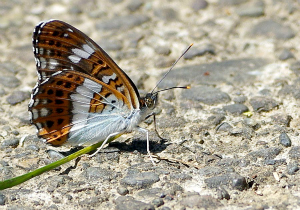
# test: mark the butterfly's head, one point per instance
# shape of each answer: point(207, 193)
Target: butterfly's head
point(150, 100)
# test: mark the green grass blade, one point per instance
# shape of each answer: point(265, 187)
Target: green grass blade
point(20, 179)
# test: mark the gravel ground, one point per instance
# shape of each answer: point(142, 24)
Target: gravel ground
point(231, 141)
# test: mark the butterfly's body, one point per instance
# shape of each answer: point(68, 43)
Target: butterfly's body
point(82, 97)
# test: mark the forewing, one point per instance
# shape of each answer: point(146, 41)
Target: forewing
point(59, 46)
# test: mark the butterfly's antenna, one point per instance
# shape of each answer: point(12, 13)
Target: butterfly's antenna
point(183, 87)
point(187, 49)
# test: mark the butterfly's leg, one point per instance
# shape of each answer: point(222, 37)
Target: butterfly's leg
point(148, 143)
point(155, 128)
point(104, 142)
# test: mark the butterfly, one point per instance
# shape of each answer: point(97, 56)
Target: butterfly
point(82, 96)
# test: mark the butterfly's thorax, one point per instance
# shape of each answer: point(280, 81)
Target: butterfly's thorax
point(135, 118)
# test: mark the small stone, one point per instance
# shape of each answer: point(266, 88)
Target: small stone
point(152, 193)
point(97, 173)
point(262, 103)
point(292, 168)
point(294, 153)
point(166, 14)
point(140, 180)
point(269, 153)
point(216, 119)
point(32, 148)
point(236, 109)
point(232, 180)
point(240, 99)
point(129, 203)
point(206, 95)
point(163, 62)
point(295, 67)
point(180, 176)
point(163, 50)
point(224, 127)
point(134, 5)
point(285, 140)
point(2, 92)
point(196, 201)
point(17, 97)
point(110, 45)
point(209, 171)
point(231, 2)
point(2, 200)
point(157, 202)
point(165, 208)
point(122, 190)
point(250, 11)
point(122, 22)
point(222, 194)
point(9, 81)
point(10, 143)
point(282, 119)
point(252, 123)
point(194, 52)
point(199, 4)
point(285, 55)
point(271, 28)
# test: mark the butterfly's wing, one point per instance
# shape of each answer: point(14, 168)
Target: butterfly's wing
point(59, 46)
point(82, 95)
point(76, 107)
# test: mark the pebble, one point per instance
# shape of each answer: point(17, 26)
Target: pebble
point(129, 203)
point(273, 29)
point(285, 140)
point(110, 45)
point(231, 2)
point(134, 5)
point(236, 109)
point(262, 103)
point(285, 54)
point(194, 52)
point(167, 14)
point(210, 171)
point(162, 50)
point(282, 119)
point(10, 143)
point(122, 190)
point(222, 194)
point(151, 193)
point(232, 180)
point(194, 201)
point(140, 180)
point(207, 95)
point(2, 200)
point(157, 202)
point(250, 11)
point(97, 173)
point(199, 5)
point(163, 62)
point(269, 153)
point(216, 119)
point(239, 99)
point(122, 22)
point(292, 168)
point(224, 127)
point(9, 81)
point(17, 97)
point(294, 153)
point(180, 177)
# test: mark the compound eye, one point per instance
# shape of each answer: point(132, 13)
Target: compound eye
point(149, 103)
